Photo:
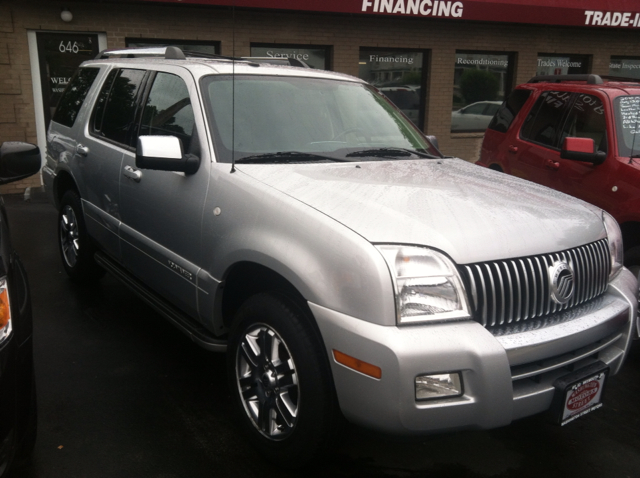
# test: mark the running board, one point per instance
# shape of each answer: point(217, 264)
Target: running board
point(186, 324)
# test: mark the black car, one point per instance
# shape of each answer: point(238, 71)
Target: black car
point(17, 384)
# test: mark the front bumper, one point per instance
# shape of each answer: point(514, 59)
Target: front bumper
point(507, 374)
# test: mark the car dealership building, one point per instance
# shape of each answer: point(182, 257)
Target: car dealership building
point(445, 63)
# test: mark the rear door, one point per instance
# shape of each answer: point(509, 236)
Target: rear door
point(100, 150)
point(162, 210)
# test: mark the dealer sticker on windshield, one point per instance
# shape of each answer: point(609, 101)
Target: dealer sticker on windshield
point(581, 393)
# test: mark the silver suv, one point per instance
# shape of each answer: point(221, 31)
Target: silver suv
point(295, 219)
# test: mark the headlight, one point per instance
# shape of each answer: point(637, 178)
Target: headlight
point(427, 285)
point(5, 312)
point(615, 243)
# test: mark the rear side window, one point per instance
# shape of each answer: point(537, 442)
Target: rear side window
point(116, 106)
point(543, 123)
point(73, 97)
point(508, 111)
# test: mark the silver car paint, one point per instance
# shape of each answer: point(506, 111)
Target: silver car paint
point(316, 224)
point(327, 263)
point(447, 204)
point(491, 398)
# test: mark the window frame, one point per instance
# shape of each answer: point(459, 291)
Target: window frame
point(509, 79)
point(328, 61)
point(424, 80)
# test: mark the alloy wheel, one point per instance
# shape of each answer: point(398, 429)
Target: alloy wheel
point(69, 233)
point(268, 382)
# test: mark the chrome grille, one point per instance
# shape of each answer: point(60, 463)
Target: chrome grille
point(509, 291)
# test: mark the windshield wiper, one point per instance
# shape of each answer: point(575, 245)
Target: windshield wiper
point(285, 157)
point(389, 153)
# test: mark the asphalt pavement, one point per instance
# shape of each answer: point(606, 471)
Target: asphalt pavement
point(121, 393)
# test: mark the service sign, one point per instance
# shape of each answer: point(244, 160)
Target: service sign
point(586, 13)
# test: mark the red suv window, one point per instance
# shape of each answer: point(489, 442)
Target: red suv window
point(543, 123)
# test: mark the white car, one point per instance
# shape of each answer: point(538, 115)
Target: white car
point(474, 117)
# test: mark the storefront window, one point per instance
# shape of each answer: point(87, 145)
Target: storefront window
point(480, 84)
point(562, 64)
point(400, 75)
point(212, 47)
point(625, 67)
point(59, 55)
point(314, 56)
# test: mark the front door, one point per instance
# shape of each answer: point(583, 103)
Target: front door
point(535, 149)
point(162, 210)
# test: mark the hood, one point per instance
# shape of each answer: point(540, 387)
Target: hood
point(471, 213)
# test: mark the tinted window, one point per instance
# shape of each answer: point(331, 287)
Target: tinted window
point(509, 110)
point(586, 120)
point(116, 106)
point(542, 124)
point(74, 96)
point(168, 110)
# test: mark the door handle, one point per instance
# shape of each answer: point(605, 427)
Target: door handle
point(82, 150)
point(551, 164)
point(133, 174)
point(512, 149)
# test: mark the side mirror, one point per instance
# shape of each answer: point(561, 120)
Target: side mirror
point(433, 140)
point(18, 161)
point(582, 149)
point(164, 153)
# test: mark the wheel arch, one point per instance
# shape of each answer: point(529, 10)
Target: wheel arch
point(63, 183)
point(245, 279)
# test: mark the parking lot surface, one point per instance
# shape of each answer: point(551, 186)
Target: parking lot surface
point(121, 393)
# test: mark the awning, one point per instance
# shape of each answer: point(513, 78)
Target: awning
point(579, 13)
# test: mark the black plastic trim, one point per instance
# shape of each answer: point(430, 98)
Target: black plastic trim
point(186, 324)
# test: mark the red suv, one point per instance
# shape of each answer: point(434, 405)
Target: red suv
point(579, 134)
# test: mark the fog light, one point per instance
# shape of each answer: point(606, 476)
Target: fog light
point(443, 385)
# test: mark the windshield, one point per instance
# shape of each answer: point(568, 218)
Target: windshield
point(627, 111)
point(291, 119)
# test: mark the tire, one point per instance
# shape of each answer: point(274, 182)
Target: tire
point(76, 248)
point(281, 382)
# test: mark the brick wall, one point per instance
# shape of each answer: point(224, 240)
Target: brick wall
point(345, 33)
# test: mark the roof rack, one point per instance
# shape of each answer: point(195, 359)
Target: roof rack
point(277, 60)
point(167, 52)
point(175, 53)
point(590, 79)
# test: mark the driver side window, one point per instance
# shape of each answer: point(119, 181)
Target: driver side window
point(586, 120)
point(168, 110)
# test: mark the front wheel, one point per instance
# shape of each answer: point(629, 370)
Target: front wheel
point(76, 249)
point(280, 380)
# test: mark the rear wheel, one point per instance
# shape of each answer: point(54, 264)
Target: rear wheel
point(75, 245)
point(281, 382)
